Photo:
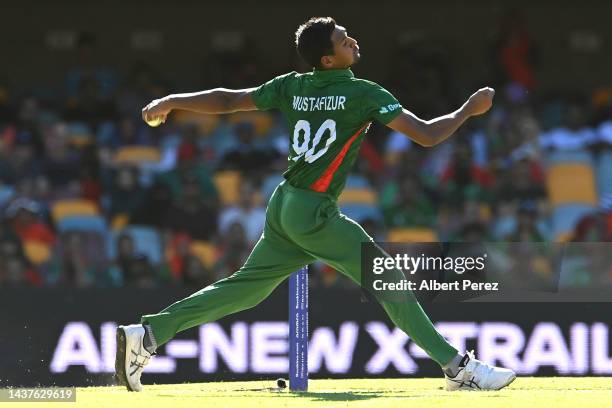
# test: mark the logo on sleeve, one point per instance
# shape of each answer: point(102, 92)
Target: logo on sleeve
point(389, 108)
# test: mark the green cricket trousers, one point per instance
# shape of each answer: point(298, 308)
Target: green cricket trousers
point(301, 226)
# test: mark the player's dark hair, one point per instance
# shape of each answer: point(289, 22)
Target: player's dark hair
point(313, 39)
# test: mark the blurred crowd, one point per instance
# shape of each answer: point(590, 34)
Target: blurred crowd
point(90, 196)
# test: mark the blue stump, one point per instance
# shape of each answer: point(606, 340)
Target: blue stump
point(298, 330)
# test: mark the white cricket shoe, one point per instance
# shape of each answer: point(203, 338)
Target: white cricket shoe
point(475, 375)
point(131, 357)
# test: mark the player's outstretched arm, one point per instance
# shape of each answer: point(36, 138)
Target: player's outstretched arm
point(218, 100)
point(431, 132)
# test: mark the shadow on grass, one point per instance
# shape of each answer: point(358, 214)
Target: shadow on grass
point(338, 396)
point(321, 396)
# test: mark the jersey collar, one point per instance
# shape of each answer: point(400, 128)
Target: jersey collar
point(333, 73)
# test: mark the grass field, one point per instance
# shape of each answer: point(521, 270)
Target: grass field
point(524, 392)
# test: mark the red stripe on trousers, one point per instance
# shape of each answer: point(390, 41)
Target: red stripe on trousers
point(322, 183)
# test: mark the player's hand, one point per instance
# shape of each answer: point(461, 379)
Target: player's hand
point(480, 101)
point(156, 110)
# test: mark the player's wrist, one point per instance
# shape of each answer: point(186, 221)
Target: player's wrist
point(466, 111)
point(169, 102)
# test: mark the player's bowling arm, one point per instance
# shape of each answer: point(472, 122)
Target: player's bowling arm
point(428, 132)
point(431, 132)
point(219, 100)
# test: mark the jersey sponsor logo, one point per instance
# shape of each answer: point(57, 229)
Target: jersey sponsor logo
point(321, 103)
point(389, 108)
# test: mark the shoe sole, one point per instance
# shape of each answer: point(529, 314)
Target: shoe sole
point(120, 375)
point(507, 384)
point(476, 390)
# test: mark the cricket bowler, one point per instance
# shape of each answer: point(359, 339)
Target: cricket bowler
point(328, 112)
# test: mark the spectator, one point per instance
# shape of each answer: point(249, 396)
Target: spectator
point(155, 207)
point(177, 250)
point(61, 163)
point(14, 272)
point(245, 156)
point(195, 274)
point(596, 227)
point(463, 179)
point(524, 181)
point(233, 250)
point(408, 205)
point(72, 265)
point(7, 112)
point(10, 244)
point(141, 85)
point(126, 195)
point(129, 132)
point(89, 104)
point(572, 135)
point(190, 169)
point(24, 219)
point(514, 51)
point(89, 86)
point(134, 267)
point(250, 215)
point(192, 215)
point(526, 226)
point(14, 267)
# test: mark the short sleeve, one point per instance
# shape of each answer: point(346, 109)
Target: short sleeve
point(380, 104)
point(269, 95)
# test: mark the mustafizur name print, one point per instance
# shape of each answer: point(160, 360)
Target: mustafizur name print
point(321, 103)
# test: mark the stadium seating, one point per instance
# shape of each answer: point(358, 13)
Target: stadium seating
point(65, 208)
point(91, 244)
point(354, 182)
point(604, 173)
point(571, 183)
point(206, 124)
point(358, 196)
point(361, 212)
point(565, 218)
point(6, 193)
point(93, 223)
point(79, 134)
point(120, 221)
point(412, 235)
point(205, 252)
point(269, 184)
point(572, 190)
point(146, 239)
point(261, 121)
point(357, 181)
point(569, 156)
point(504, 226)
point(360, 204)
point(137, 154)
point(37, 252)
point(565, 236)
point(228, 185)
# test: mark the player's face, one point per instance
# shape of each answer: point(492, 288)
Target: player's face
point(346, 50)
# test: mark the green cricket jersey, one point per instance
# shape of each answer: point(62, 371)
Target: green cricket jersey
point(328, 113)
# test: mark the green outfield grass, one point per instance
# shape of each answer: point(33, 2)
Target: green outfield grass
point(524, 392)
